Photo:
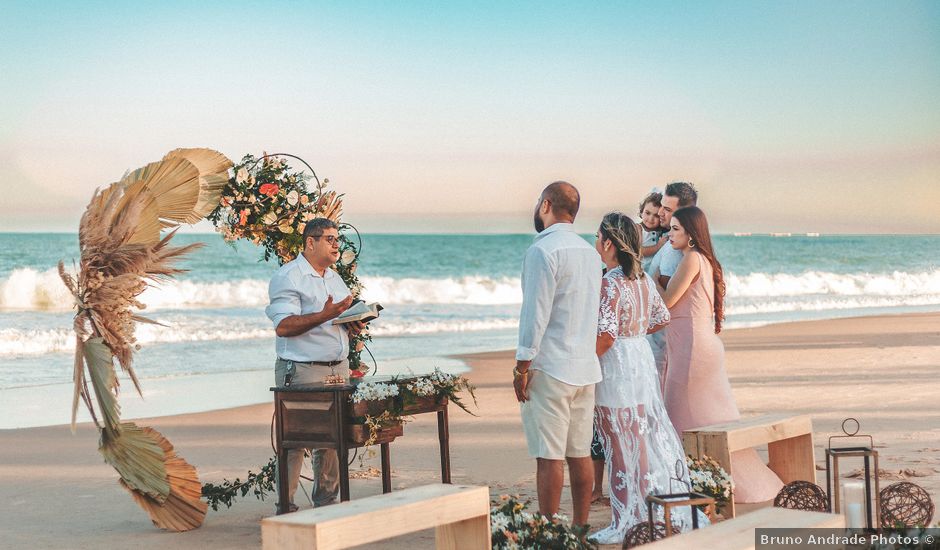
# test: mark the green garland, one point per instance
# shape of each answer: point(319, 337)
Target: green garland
point(259, 485)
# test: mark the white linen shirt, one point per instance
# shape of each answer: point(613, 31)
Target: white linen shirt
point(561, 291)
point(666, 259)
point(297, 289)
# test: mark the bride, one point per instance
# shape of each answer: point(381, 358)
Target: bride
point(641, 446)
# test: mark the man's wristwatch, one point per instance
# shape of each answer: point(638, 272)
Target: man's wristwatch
point(517, 373)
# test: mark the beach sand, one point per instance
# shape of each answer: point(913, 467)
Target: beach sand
point(56, 492)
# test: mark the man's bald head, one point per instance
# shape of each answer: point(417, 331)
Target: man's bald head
point(564, 198)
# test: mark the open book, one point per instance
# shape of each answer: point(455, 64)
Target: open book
point(359, 311)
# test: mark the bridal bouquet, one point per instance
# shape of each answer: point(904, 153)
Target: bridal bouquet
point(710, 479)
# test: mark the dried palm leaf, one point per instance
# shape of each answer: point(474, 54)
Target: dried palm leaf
point(186, 185)
point(182, 508)
point(213, 176)
point(121, 252)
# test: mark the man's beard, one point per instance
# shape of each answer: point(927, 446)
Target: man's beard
point(539, 224)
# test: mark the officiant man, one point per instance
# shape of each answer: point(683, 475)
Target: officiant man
point(305, 296)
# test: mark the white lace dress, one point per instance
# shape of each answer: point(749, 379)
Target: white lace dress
point(641, 445)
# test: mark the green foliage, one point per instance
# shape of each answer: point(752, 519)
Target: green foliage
point(259, 485)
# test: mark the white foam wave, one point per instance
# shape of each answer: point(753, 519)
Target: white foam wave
point(399, 328)
point(748, 307)
point(19, 342)
point(28, 289)
point(16, 342)
point(32, 290)
point(464, 290)
point(898, 283)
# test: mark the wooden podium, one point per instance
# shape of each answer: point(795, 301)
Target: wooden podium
point(319, 416)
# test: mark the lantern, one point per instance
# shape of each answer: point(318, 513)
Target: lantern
point(853, 498)
point(677, 500)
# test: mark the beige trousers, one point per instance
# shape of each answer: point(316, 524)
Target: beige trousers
point(325, 462)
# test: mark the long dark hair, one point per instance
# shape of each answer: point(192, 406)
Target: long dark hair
point(619, 229)
point(695, 223)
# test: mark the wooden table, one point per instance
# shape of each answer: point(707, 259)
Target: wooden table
point(319, 416)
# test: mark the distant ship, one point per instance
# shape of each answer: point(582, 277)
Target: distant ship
point(736, 234)
point(812, 234)
point(781, 234)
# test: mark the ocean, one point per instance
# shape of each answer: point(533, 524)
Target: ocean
point(443, 294)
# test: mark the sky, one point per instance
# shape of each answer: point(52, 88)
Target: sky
point(451, 116)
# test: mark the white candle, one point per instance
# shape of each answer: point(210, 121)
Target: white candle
point(853, 502)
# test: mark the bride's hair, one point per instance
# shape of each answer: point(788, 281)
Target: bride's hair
point(623, 232)
point(695, 223)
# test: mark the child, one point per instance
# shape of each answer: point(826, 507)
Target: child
point(650, 225)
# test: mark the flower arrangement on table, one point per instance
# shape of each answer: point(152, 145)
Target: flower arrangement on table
point(512, 528)
point(383, 404)
point(268, 203)
point(710, 479)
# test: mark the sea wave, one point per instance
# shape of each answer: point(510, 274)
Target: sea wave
point(22, 342)
point(897, 283)
point(31, 290)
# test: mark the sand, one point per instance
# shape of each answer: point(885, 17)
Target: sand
point(57, 492)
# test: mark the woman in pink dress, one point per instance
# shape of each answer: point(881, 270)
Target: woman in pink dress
point(697, 389)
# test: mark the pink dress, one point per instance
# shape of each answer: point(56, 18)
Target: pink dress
point(698, 392)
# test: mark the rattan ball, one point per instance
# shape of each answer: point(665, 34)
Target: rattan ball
point(802, 495)
point(905, 504)
point(639, 534)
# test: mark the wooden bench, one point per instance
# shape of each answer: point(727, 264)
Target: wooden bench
point(789, 441)
point(460, 514)
point(739, 533)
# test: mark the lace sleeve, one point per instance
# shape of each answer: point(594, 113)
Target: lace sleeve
point(608, 318)
point(659, 313)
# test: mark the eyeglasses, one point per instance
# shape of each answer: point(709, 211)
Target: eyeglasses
point(329, 238)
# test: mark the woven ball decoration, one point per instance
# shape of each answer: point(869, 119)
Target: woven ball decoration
point(905, 504)
point(640, 534)
point(802, 495)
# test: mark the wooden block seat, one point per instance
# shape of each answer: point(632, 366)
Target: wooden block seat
point(460, 514)
point(789, 441)
point(739, 533)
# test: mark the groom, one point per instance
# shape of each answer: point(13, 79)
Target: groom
point(556, 364)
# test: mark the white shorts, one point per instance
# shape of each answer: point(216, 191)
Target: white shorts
point(558, 418)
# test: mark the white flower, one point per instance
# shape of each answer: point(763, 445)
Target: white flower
point(422, 386)
point(270, 218)
point(374, 391)
point(348, 256)
point(499, 521)
point(292, 198)
point(241, 175)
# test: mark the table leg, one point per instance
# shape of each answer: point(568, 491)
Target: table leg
point(443, 434)
point(342, 450)
point(386, 469)
point(283, 493)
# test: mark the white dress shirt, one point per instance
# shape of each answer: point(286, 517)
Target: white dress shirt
point(561, 290)
point(297, 289)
